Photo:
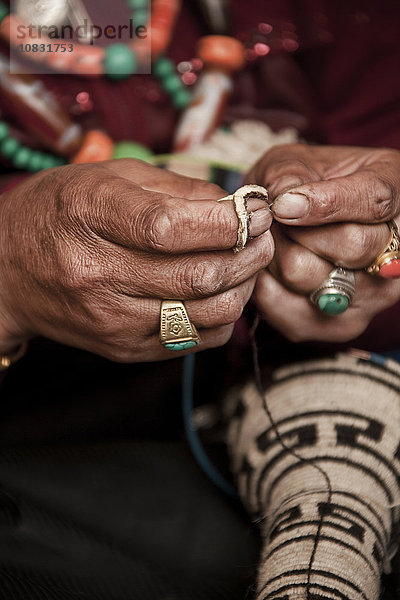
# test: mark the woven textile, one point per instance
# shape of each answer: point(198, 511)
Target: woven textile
point(317, 461)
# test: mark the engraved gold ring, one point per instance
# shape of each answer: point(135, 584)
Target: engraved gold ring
point(387, 263)
point(177, 332)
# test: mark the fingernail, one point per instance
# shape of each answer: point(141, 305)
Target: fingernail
point(260, 222)
point(290, 206)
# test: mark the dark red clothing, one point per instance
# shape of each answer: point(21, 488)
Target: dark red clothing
point(343, 77)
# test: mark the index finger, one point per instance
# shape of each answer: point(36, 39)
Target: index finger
point(126, 214)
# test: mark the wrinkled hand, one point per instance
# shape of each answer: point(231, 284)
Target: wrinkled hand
point(87, 253)
point(331, 204)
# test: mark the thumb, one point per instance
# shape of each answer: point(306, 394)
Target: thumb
point(365, 196)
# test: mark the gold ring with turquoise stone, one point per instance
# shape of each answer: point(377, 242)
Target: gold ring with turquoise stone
point(335, 294)
point(177, 332)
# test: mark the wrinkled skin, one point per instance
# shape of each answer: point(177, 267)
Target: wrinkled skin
point(345, 196)
point(87, 253)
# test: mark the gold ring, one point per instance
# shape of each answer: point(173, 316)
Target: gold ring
point(6, 360)
point(177, 332)
point(387, 263)
point(239, 199)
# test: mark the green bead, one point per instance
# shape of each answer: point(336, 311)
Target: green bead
point(131, 150)
point(22, 157)
point(119, 61)
point(49, 161)
point(36, 161)
point(3, 130)
point(3, 11)
point(180, 345)
point(181, 98)
point(9, 147)
point(333, 304)
point(172, 84)
point(140, 18)
point(164, 67)
point(138, 4)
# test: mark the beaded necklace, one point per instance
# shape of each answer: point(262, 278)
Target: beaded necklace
point(115, 61)
point(221, 55)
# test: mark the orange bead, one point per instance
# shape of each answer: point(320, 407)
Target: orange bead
point(163, 16)
point(159, 41)
point(60, 61)
point(221, 51)
point(166, 9)
point(82, 60)
point(88, 60)
point(96, 146)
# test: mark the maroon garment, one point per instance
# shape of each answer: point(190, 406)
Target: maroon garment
point(341, 85)
point(342, 78)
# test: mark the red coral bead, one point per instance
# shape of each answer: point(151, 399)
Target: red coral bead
point(391, 269)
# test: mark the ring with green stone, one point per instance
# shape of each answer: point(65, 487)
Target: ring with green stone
point(335, 294)
point(178, 346)
point(177, 332)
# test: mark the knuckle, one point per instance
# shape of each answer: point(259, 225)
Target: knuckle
point(357, 243)
point(159, 226)
point(297, 269)
point(201, 279)
point(229, 307)
point(383, 203)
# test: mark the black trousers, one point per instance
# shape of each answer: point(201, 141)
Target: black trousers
point(100, 496)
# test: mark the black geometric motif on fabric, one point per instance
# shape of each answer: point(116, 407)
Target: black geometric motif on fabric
point(284, 519)
point(347, 434)
point(333, 510)
point(324, 480)
point(306, 435)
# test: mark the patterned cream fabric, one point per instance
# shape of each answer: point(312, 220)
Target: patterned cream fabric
point(317, 460)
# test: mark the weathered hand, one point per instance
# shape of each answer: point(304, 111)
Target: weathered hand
point(87, 253)
point(331, 205)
